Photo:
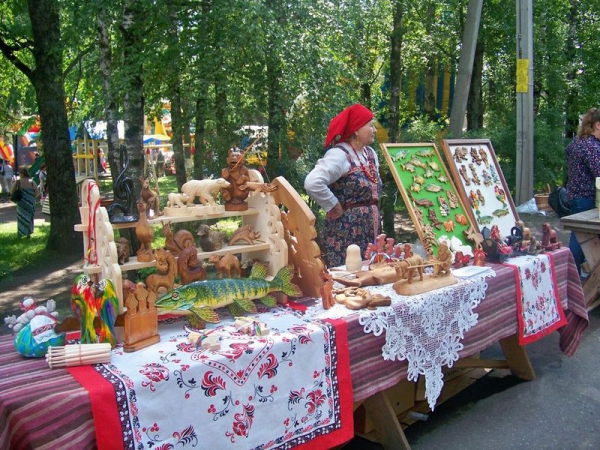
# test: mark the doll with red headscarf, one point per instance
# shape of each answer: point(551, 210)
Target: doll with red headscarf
point(346, 184)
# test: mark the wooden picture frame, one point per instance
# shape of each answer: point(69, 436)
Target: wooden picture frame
point(481, 184)
point(428, 191)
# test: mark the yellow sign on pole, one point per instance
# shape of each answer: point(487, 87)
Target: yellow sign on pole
point(522, 75)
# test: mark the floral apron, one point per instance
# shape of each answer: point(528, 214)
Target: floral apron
point(359, 225)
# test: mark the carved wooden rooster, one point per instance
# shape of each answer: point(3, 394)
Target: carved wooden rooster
point(143, 230)
point(210, 240)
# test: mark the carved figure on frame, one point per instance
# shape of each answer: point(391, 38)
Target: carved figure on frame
point(237, 175)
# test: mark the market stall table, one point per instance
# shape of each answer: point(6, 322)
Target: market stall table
point(586, 226)
point(35, 399)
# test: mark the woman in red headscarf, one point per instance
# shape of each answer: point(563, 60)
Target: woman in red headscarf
point(346, 184)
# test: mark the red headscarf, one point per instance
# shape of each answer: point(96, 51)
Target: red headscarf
point(347, 122)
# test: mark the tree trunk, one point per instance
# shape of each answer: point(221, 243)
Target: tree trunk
point(395, 72)
point(110, 103)
point(133, 102)
point(176, 104)
point(200, 152)
point(572, 115)
point(389, 184)
point(50, 96)
point(475, 99)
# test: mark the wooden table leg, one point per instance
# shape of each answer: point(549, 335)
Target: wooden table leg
point(388, 429)
point(590, 245)
point(517, 358)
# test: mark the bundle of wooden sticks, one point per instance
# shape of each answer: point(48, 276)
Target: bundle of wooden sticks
point(78, 355)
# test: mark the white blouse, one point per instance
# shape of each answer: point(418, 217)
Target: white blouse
point(330, 168)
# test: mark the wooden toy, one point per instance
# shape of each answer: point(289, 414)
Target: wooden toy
point(549, 240)
point(443, 261)
point(210, 240)
point(78, 355)
point(358, 298)
point(353, 258)
point(227, 265)
point(238, 176)
point(175, 243)
point(123, 251)
point(205, 341)
point(149, 198)
point(144, 234)
point(205, 190)
point(188, 266)
point(166, 271)
point(141, 319)
point(374, 277)
point(410, 266)
point(245, 234)
point(251, 327)
point(178, 200)
point(327, 289)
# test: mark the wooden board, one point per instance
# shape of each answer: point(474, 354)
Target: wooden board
point(416, 168)
point(481, 185)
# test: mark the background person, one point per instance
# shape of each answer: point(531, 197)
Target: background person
point(346, 184)
point(25, 206)
point(6, 176)
point(583, 166)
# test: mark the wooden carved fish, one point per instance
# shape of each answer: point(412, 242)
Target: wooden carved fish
point(200, 298)
point(428, 173)
point(500, 212)
point(425, 153)
point(400, 155)
point(424, 202)
point(433, 188)
point(442, 178)
point(415, 187)
point(418, 179)
point(415, 162)
point(408, 167)
point(485, 220)
point(434, 166)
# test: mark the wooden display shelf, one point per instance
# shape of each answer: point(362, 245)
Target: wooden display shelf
point(177, 219)
point(134, 264)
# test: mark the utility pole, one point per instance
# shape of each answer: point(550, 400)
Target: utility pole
point(465, 68)
point(524, 162)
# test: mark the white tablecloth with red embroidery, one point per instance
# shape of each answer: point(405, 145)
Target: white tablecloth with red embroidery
point(278, 390)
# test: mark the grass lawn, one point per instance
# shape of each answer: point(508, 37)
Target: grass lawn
point(17, 252)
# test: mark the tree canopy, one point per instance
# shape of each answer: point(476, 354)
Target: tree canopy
point(291, 66)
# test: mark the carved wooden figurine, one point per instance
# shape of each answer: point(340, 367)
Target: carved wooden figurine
point(166, 271)
point(123, 251)
point(238, 176)
point(144, 234)
point(177, 200)
point(244, 234)
point(175, 243)
point(188, 266)
point(409, 266)
point(549, 240)
point(210, 240)
point(149, 197)
point(327, 290)
point(227, 265)
point(443, 261)
point(205, 190)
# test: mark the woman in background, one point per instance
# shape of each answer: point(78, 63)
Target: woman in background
point(583, 166)
point(25, 206)
point(346, 184)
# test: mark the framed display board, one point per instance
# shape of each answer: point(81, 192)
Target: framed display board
point(480, 183)
point(430, 196)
